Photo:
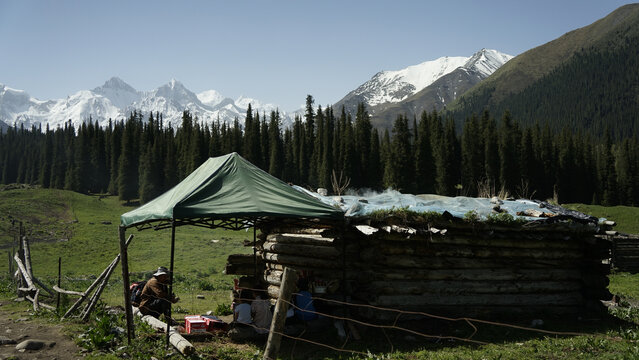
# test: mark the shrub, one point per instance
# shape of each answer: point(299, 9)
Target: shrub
point(223, 309)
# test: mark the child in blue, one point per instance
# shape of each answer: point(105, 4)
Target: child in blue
point(305, 310)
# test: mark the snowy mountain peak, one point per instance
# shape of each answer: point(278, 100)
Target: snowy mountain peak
point(487, 61)
point(119, 93)
point(210, 98)
point(176, 92)
point(397, 85)
point(115, 83)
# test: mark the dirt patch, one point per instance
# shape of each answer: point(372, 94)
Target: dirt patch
point(20, 326)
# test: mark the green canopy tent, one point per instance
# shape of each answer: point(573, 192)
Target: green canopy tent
point(227, 192)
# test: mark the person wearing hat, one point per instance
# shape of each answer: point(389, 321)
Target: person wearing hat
point(155, 299)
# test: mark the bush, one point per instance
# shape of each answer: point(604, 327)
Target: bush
point(223, 309)
point(205, 285)
point(7, 286)
point(102, 333)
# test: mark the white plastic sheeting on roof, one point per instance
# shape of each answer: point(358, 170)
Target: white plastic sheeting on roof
point(361, 206)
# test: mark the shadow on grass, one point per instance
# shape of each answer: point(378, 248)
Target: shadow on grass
point(447, 335)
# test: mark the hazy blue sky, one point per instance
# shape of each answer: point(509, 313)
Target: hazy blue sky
point(274, 51)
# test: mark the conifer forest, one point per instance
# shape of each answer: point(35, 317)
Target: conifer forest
point(139, 158)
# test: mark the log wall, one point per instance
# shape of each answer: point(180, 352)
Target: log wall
point(625, 253)
point(462, 272)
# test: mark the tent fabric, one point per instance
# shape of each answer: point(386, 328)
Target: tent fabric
point(226, 187)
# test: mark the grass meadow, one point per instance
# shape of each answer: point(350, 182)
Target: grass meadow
point(82, 230)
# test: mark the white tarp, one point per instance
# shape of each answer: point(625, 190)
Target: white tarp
point(363, 205)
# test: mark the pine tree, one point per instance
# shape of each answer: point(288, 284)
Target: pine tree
point(472, 160)
point(424, 161)
point(363, 130)
point(508, 154)
point(375, 161)
point(401, 161)
point(128, 176)
point(277, 158)
point(326, 165)
point(491, 152)
point(47, 155)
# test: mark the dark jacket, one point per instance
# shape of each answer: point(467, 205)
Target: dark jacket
point(155, 298)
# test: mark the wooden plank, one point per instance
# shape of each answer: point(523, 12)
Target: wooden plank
point(449, 262)
point(324, 252)
point(474, 252)
point(321, 231)
point(24, 272)
point(302, 239)
point(563, 299)
point(300, 260)
point(69, 292)
point(496, 274)
point(514, 242)
point(448, 287)
point(240, 259)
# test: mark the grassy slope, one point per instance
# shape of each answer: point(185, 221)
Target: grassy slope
point(627, 217)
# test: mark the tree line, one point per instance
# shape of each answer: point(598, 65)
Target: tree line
point(139, 158)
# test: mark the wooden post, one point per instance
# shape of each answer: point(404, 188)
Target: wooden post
point(279, 315)
point(24, 272)
point(168, 320)
point(27, 256)
point(125, 283)
point(57, 303)
point(36, 305)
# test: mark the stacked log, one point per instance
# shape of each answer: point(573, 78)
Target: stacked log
point(460, 270)
point(305, 250)
point(468, 273)
point(243, 264)
point(625, 253)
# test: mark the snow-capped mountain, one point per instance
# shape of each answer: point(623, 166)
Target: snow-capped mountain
point(387, 87)
point(115, 99)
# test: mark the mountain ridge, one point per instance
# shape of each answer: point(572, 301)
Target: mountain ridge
point(115, 99)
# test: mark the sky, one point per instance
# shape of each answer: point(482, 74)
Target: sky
point(273, 51)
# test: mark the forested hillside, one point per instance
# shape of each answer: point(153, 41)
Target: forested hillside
point(586, 80)
point(138, 158)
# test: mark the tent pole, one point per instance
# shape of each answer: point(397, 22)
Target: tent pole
point(125, 282)
point(168, 320)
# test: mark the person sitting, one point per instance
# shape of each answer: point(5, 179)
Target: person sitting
point(305, 309)
point(242, 310)
point(261, 311)
point(155, 299)
point(242, 325)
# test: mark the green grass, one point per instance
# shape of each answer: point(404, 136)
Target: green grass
point(199, 263)
point(627, 217)
point(92, 245)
